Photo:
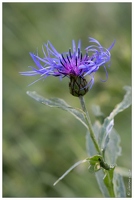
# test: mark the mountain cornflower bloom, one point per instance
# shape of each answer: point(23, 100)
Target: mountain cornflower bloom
point(72, 64)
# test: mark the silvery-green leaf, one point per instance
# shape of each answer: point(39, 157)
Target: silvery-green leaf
point(126, 102)
point(119, 186)
point(108, 130)
point(123, 171)
point(59, 103)
point(98, 113)
point(113, 149)
point(89, 145)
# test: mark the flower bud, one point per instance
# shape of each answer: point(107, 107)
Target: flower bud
point(78, 86)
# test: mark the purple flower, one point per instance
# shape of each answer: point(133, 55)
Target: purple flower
point(72, 64)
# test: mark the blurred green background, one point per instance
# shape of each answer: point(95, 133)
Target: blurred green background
point(41, 143)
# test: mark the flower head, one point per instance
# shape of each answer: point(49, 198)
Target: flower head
point(72, 64)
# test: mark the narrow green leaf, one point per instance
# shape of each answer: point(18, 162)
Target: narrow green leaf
point(108, 180)
point(59, 103)
point(119, 186)
point(69, 170)
point(94, 163)
point(99, 176)
point(97, 167)
point(94, 168)
point(91, 168)
point(94, 159)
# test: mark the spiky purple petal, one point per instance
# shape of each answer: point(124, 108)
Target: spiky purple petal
point(71, 63)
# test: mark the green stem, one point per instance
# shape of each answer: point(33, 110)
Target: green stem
point(108, 183)
point(87, 118)
point(111, 189)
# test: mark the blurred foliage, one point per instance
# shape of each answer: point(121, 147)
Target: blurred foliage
point(41, 143)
